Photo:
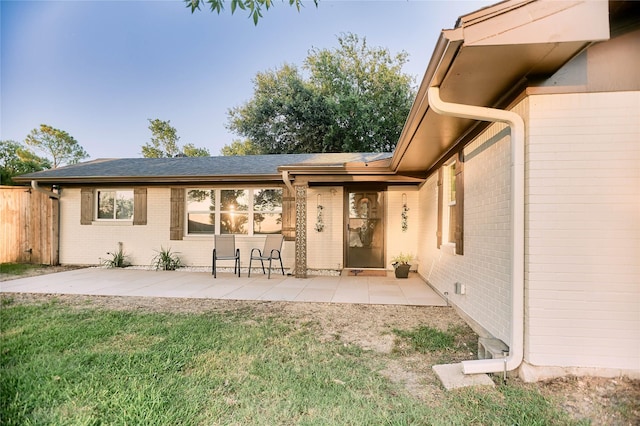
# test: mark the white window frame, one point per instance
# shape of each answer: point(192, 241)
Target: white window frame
point(218, 210)
point(114, 218)
point(449, 201)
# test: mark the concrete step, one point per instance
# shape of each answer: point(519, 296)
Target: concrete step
point(452, 377)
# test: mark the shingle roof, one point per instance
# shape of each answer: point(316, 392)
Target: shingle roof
point(193, 167)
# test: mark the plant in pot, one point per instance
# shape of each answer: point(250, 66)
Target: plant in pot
point(401, 264)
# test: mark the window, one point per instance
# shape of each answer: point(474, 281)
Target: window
point(201, 211)
point(450, 208)
point(234, 211)
point(114, 205)
point(267, 211)
point(451, 203)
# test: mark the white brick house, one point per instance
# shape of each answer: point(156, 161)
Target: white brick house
point(525, 214)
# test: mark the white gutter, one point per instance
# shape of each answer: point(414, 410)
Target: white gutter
point(34, 185)
point(515, 122)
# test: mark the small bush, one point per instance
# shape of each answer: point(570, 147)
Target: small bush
point(166, 260)
point(119, 259)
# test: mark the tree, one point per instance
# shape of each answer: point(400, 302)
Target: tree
point(190, 150)
point(238, 147)
point(254, 7)
point(57, 145)
point(355, 99)
point(164, 143)
point(367, 92)
point(16, 160)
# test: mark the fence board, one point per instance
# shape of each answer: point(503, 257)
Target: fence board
point(29, 225)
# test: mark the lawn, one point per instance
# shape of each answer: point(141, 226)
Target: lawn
point(62, 364)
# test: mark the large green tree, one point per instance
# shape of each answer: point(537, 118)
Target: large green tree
point(355, 99)
point(164, 143)
point(253, 7)
point(57, 145)
point(238, 147)
point(15, 159)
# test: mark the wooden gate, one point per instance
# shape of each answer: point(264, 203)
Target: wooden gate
point(29, 226)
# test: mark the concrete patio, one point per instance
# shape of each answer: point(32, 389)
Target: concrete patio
point(179, 284)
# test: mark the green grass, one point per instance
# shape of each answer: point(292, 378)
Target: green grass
point(17, 268)
point(68, 366)
point(427, 339)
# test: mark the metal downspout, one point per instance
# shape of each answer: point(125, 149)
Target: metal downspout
point(515, 122)
point(287, 182)
point(34, 185)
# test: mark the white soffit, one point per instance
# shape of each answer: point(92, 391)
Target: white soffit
point(540, 22)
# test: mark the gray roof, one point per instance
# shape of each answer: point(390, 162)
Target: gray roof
point(188, 168)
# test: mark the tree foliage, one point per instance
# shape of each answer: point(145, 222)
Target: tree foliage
point(15, 159)
point(164, 143)
point(57, 145)
point(355, 99)
point(238, 147)
point(253, 7)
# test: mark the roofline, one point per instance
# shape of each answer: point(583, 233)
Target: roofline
point(475, 30)
point(147, 179)
point(443, 56)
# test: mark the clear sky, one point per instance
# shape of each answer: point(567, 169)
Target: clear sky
point(100, 69)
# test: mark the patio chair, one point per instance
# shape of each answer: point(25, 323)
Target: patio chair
point(225, 249)
point(272, 250)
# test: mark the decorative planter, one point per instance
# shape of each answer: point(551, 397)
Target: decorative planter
point(402, 270)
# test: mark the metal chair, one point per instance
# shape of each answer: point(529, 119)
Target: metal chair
point(272, 250)
point(225, 249)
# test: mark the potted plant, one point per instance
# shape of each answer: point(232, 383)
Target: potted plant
point(401, 264)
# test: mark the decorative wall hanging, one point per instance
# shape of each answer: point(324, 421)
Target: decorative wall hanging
point(319, 221)
point(405, 217)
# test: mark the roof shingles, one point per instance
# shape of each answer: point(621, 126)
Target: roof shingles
point(190, 167)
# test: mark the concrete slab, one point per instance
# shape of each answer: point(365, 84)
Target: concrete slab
point(452, 377)
point(197, 284)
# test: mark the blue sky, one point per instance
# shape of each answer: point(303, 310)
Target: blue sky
point(100, 69)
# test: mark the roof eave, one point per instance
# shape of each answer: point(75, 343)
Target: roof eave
point(95, 180)
point(469, 65)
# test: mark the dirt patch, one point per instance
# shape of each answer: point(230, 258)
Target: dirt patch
point(599, 400)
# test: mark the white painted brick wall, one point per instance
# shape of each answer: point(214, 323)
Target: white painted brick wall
point(582, 276)
point(89, 243)
point(324, 249)
point(398, 240)
point(583, 236)
point(484, 268)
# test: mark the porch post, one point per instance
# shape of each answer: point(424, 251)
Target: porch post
point(301, 231)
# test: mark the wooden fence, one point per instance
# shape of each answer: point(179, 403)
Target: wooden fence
point(29, 227)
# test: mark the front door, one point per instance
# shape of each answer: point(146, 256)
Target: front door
point(365, 229)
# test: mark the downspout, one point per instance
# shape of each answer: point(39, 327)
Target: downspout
point(51, 194)
point(516, 124)
point(287, 182)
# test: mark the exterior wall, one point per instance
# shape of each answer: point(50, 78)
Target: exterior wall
point(583, 235)
point(582, 309)
point(324, 249)
point(397, 240)
point(87, 244)
point(484, 269)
